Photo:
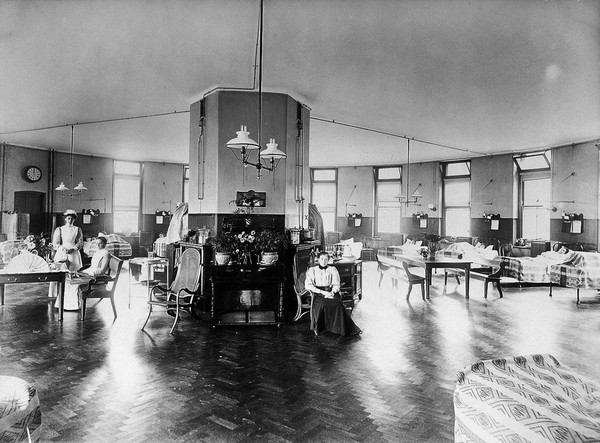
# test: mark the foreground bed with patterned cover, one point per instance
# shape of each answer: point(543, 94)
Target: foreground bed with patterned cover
point(525, 399)
point(20, 413)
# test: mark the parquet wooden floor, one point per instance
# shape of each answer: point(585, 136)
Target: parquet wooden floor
point(105, 380)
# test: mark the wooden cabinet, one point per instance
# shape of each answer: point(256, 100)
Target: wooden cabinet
point(351, 281)
point(537, 247)
point(247, 294)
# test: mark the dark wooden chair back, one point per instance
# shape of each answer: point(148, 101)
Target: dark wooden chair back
point(103, 286)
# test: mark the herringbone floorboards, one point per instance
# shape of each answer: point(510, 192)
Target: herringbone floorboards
point(104, 380)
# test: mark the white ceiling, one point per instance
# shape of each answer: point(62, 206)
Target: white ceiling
point(478, 76)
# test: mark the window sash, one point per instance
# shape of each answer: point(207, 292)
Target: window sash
point(457, 169)
point(324, 175)
point(127, 168)
point(534, 162)
point(388, 173)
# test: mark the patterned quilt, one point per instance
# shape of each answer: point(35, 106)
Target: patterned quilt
point(582, 270)
point(20, 413)
point(533, 269)
point(116, 246)
point(525, 399)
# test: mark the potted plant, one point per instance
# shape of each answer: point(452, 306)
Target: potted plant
point(224, 245)
point(270, 243)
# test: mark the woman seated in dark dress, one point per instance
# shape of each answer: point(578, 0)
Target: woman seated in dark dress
point(328, 312)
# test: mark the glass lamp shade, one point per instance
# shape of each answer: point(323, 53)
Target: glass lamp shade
point(271, 151)
point(242, 141)
point(61, 187)
point(80, 187)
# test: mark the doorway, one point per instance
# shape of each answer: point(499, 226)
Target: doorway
point(32, 203)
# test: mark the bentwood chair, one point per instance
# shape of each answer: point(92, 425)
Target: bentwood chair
point(180, 295)
point(103, 286)
point(413, 279)
point(304, 297)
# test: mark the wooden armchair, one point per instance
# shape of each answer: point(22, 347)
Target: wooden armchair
point(103, 286)
point(413, 279)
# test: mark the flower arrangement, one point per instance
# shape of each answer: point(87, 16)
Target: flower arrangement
point(247, 240)
point(245, 246)
point(433, 242)
point(38, 244)
point(269, 240)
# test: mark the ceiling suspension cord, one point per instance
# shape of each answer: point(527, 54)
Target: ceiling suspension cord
point(93, 122)
point(260, 62)
point(391, 134)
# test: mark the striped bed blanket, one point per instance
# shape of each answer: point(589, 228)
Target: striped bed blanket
point(582, 270)
point(533, 269)
point(525, 399)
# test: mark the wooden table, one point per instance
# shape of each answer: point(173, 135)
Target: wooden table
point(150, 264)
point(37, 277)
point(438, 262)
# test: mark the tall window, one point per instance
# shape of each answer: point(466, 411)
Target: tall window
point(126, 196)
point(535, 191)
point(388, 186)
point(324, 195)
point(457, 196)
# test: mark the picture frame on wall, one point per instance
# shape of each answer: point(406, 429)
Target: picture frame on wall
point(251, 199)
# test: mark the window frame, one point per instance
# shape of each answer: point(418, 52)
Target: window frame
point(139, 178)
point(378, 180)
point(448, 177)
point(537, 174)
point(335, 183)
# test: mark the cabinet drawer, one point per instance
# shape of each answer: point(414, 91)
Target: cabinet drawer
point(344, 269)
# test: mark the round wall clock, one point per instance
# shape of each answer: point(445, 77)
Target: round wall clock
point(33, 174)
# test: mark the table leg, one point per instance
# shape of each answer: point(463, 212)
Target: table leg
point(129, 293)
point(2, 294)
point(428, 272)
point(467, 280)
point(61, 294)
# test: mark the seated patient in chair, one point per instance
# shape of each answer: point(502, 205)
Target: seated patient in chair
point(76, 280)
point(328, 312)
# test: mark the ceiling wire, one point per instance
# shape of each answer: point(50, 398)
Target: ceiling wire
point(391, 134)
point(93, 122)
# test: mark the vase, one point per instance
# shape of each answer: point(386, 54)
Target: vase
point(269, 258)
point(222, 258)
point(246, 258)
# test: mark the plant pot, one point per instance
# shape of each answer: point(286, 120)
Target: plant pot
point(269, 258)
point(222, 258)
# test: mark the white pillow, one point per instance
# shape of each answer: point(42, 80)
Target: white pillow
point(489, 253)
